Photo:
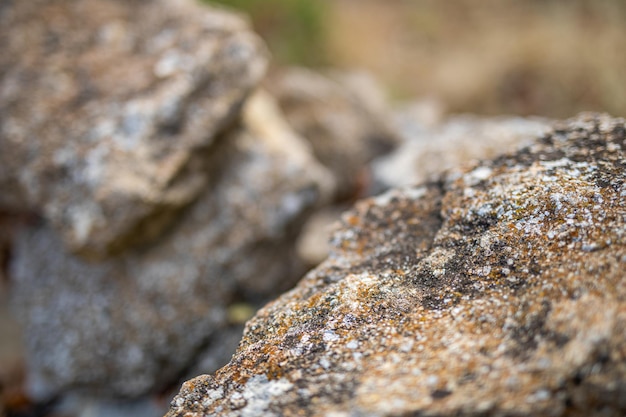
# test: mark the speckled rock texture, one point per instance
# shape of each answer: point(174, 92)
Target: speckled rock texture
point(134, 323)
point(497, 292)
point(429, 148)
point(105, 106)
point(344, 117)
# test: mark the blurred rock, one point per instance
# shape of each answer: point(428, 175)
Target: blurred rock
point(416, 116)
point(313, 244)
point(132, 324)
point(343, 117)
point(429, 148)
point(106, 107)
point(496, 292)
point(11, 358)
point(95, 407)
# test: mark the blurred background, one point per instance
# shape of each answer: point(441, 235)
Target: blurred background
point(537, 57)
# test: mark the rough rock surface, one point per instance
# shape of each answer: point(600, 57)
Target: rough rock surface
point(498, 292)
point(135, 322)
point(344, 117)
point(429, 146)
point(105, 105)
point(428, 149)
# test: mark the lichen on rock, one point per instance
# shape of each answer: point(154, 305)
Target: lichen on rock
point(498, 291)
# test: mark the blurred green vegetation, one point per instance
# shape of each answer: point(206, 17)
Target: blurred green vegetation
point(293, 29)
point(544, 57)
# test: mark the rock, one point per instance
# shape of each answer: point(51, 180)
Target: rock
point(429, 148)
point(132, 324)
point(496, 292)
point(343, 117)
point(313, 244)
point(94, 407)
point(106, 107)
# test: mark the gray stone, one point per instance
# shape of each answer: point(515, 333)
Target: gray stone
point(313, 244)
point(428, 149)
point(133, 323)
point(106, 107)
point(499, 291)
point(344, 117)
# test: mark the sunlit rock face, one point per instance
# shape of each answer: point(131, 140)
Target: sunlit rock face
point(499, 291)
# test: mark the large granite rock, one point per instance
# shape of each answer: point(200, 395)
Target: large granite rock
point(106, 105)
point(498, 292)
point(344, 117)
point(133, 323)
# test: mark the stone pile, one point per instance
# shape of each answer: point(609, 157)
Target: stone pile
point(497, 291)
point(156, 186)
point(155, 189)
point(166, 188)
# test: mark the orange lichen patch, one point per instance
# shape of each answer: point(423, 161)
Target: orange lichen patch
point(313, 300)
point(352, 220)
point(272, 367)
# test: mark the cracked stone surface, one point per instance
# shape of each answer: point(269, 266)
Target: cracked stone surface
point(499, 291)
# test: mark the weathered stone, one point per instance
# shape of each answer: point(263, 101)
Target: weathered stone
point(428, 149)
point(135, 322)
point(430, 146)
point(498, 292)
point(344, 118)
point(106, 105)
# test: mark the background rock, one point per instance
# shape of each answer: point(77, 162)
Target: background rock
point(132, 324)
point(343, 117)
point(313, 244)
point(429, 145)
point(499, 291)
point(106, 105)
point(92, 407)
point(430, 148)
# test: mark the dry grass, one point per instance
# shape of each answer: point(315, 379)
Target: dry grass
point(548, 57)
